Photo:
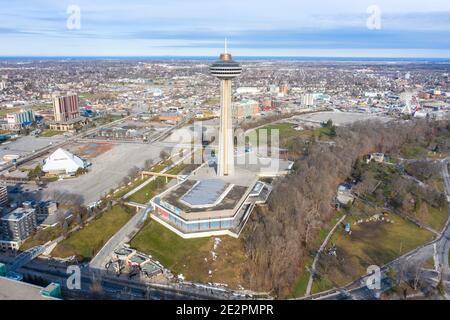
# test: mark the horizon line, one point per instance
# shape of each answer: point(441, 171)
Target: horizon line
point(213, 57)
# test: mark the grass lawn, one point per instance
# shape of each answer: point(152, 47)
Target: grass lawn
point(299, 289)
point(149, 191)
point(288, 135)
point(436, 218)
point(371, 243)
point(50, 133)
point(192, 257)
point(89, 240)
point(154, 187)
point(156, 168)
point(411, 151)
point(42, 236)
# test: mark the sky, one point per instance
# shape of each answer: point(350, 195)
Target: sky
point(319, 28)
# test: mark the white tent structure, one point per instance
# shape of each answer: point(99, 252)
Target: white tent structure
point(62, 161)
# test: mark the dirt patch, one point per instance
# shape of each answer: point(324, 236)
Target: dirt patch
point(91, 150)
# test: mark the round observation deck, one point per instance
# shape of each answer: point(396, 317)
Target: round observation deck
point(225, 68)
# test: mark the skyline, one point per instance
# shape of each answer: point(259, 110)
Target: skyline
point(254, 28)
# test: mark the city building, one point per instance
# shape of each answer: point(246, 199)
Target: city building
point(11, 289)
point(44, 209)
point(16, 227)
point(3, 195)
point(170, 116)
point(248, 90)
point(62, 162)
point(307, 99)
point(20, 119)
point(225, 70)
point(245, 109)
point(66, 113)
point(211, 207)
point(284, 89)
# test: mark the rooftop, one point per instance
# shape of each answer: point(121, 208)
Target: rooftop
point(17, 290)
point(206, 193)
point(225, 207)
point(18, 214)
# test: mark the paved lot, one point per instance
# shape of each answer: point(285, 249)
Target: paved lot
point(26, 145)
point(340, 118)
point(107, 171)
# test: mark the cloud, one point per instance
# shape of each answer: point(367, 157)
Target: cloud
point(270, 26)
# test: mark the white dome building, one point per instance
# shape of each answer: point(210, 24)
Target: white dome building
point(62, 162)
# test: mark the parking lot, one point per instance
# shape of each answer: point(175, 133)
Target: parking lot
point(26, 145)
point(107, 171)
point(339, 118)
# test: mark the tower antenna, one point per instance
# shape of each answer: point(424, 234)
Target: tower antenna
point(226, 45)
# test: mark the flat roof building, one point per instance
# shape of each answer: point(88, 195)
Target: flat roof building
point(18, 290)
point(16, 227)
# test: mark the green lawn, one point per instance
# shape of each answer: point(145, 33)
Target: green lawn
point(42, 236)
point(192, 257)
point(299, 289)
point(370, 243)
point(164, 244)
point(156, 168)
point(436, 218)
point(411, 151)
point(154, 187)
point(288, 135)
point(89, 240)
point(149, 191)
point(50, 133)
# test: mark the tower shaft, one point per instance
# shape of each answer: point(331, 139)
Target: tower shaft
point(226, 147)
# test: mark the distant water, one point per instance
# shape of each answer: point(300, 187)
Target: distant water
point(210, 58)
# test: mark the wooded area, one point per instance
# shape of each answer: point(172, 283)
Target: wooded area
point(279, 237)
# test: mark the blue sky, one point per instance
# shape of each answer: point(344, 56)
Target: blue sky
point(254, 28)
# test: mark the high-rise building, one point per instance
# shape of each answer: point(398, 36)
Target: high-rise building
point(17, 226)
point(65, 108)
point(307, 99)
point(225, 70)
point(245, 109)
point(66, 112)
